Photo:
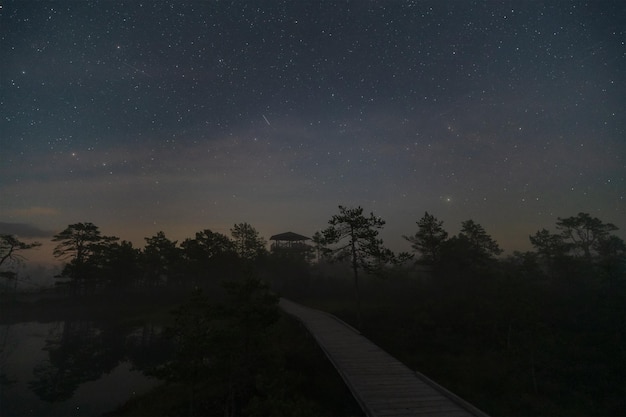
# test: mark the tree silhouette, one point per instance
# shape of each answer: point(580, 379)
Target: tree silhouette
point(318, 245)
point(248, 244)
point(429, 239)
point(471, 252)
point(207, 245)
point(548, 245)
point(120, 264)
point(209, 253)
point(583, 242)
point(161, 260)
point(357, 240)
point(10, 246)
point(83, 244)
point(479, 241)
point(77, 242)
point(584, 233)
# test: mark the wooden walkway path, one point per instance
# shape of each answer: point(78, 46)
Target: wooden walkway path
point(381, 384)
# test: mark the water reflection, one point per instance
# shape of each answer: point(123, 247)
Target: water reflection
point(75, 367)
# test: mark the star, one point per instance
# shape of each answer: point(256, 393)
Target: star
point(401, 109)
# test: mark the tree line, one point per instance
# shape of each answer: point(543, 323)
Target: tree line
point(93, 260)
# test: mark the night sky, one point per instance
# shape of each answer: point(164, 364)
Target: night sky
point(186, 115)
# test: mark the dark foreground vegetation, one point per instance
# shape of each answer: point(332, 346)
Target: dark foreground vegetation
point(536, 333)
point(242, 356)
point(227, 351)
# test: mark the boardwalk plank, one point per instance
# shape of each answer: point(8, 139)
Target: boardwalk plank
point(381, 384)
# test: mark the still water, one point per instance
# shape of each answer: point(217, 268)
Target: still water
point(74, 368)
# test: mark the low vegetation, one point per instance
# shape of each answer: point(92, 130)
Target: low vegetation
point(304, 383)
point(242, 356)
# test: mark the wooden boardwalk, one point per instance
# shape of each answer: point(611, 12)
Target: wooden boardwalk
point(381, 384)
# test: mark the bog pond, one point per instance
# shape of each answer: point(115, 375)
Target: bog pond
point(78, 368)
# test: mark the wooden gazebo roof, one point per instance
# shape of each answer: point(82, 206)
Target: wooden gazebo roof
point(289, 237)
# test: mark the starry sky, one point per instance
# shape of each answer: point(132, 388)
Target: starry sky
point(185, 115)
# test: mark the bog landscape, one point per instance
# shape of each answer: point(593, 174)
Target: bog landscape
point(188, 187)
point(196, 326)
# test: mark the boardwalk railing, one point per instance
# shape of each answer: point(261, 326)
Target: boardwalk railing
point(381, 384)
